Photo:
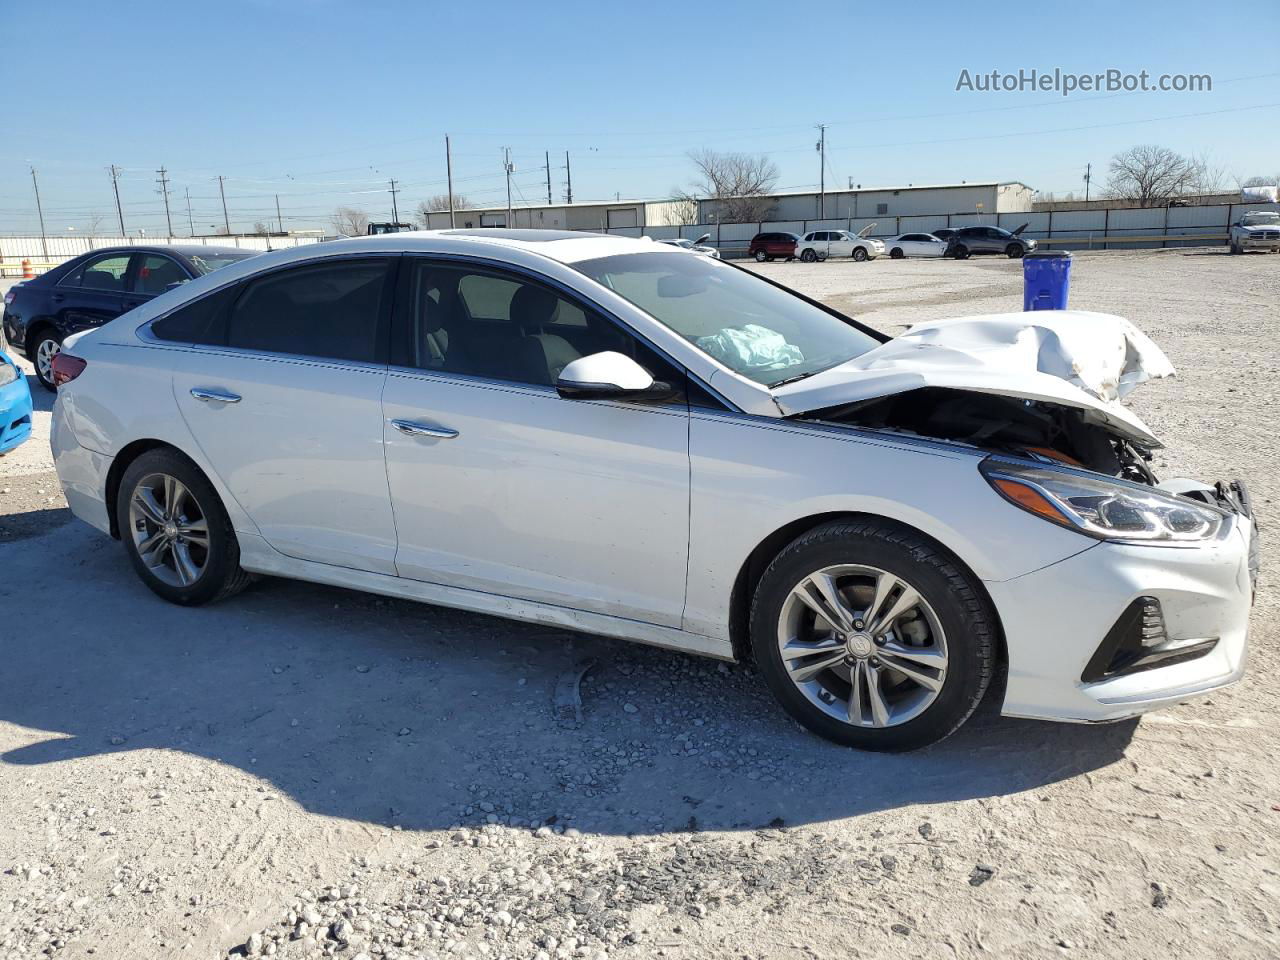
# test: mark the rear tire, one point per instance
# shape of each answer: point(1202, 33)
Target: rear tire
point(961, 252)
point(934, 621)
point(896, 253)
point(42, 348)
point(859, 254)
point(809, 256)
point(176, 531)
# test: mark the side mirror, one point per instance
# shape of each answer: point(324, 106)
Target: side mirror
point(610, 376)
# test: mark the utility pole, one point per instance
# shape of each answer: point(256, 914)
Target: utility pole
point(448, 166)
point(164, 189)
point(395, 212)
point(191, 224)
point(506, 164)
point(223, 193)
point(1088, 175)
point(44, 240)
point(115, 185)
point(568, 179)
point(822, 171)
point(279, 219)
point(548, 159)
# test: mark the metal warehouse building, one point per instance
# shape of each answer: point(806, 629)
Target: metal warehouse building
point(988, 198)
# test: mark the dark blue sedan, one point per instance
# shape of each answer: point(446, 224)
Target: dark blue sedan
point(96, 287)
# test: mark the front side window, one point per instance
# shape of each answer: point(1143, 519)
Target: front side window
point(106, 273)
point(157, 273)
point(753, 327)
point(329, 310)
point(479, 322)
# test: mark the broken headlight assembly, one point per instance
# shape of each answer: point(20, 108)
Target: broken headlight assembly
point(1103, 507)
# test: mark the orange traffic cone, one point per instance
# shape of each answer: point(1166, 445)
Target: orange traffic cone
point(27, 272)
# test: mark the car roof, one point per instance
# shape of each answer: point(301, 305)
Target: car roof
point(183, 249)
point(566, 246)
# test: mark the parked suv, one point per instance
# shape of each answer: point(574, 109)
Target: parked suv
point(94, 288)
point(974, 240)
point(771, 246)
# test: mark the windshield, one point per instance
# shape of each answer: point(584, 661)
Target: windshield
point(1254, 219)
point(751, 326)
point(209, 262)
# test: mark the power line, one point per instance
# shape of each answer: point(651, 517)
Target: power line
point(44, 239)
point(115, 185)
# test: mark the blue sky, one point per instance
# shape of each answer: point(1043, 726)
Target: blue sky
point(322, 101)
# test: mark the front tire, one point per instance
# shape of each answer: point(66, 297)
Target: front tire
point(176, 531)
point(961, 252)
point(859, 254)
point(45, 345)
point(761, 256)
point(871, 637)
point(1013, 251)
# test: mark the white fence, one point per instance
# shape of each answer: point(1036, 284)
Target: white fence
point(1140, 227)
point(13, 250)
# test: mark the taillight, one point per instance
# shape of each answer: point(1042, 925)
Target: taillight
point(66, 368)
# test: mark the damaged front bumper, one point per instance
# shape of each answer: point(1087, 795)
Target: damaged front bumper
point(1068, 659)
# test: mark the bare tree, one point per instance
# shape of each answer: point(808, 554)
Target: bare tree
point(95, 224)
point(1151, 175)
point(1207, 177)
point(1260, 181)
point(261, 229)
point(350, 222)
point(439, 204)
point(739, 183)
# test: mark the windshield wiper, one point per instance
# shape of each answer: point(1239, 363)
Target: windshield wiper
point(799, 376)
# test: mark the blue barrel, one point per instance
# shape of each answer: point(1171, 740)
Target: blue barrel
point(1046, 280)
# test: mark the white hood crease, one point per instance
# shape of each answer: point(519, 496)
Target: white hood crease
point(1070, 357)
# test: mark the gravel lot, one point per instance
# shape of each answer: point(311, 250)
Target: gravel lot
point(304, 771)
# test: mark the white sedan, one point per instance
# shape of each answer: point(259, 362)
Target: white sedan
point(915, 245)
point(821, 244)
point(602, 434)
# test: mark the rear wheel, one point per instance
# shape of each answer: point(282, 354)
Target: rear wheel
point(859, 254)
point(961, 252)
point(45, 345)
point(1013, 251)
point(176, 531)
point(896, 253)
point(761, 256)
point(871, 637)
point(809, 256)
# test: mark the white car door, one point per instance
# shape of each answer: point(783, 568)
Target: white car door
point(841, 245)
point(501, 486)
point(286, 407)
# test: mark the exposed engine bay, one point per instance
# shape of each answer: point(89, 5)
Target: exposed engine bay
point(1030, 428)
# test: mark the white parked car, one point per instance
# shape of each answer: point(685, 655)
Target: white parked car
point(915, 245)
point(694, 246)
point(602, 434)
point(1258, 230)
point(821, 244)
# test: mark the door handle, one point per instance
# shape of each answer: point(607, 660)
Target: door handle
point(218, 396)
point(411, 429)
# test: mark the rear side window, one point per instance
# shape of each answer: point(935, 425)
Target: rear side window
point(200, 322)
point(331, 310)
point(106, 273)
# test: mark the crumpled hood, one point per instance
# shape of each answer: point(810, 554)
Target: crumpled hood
point(1070, 357)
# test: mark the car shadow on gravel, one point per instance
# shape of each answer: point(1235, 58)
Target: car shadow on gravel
point(404, 714)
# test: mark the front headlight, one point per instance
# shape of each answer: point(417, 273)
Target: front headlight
point(8, 373)
point(1102, 507)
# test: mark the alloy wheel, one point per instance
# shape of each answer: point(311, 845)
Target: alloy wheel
point(46, 350)
point(169, 530)
point(863, 645)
